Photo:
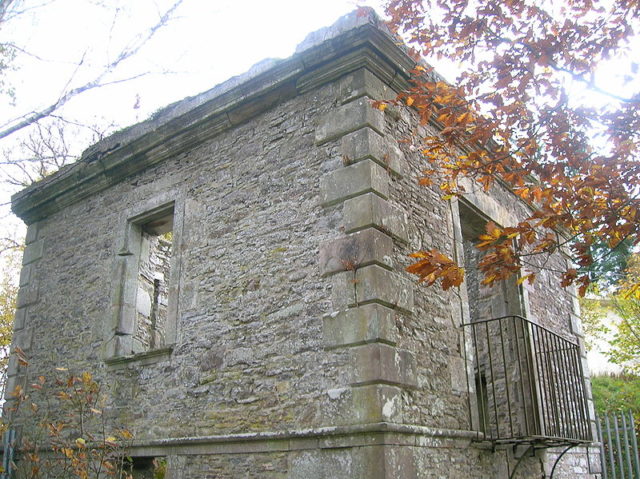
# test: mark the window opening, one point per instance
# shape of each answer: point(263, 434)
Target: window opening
point(529, 385)
point(145, 467)
point(152, 293)
point(147, 284)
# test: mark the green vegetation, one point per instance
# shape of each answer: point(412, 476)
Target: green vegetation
point(623, 332)
point(617, 392)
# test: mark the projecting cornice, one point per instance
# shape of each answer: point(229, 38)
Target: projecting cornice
point(353, 42)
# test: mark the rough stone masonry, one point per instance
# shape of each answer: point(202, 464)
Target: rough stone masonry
point(232, 272)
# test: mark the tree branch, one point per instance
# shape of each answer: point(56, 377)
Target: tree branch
point(98, 81)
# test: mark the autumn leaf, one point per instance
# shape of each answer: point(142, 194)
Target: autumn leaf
point(433, 266)
point(512, 121)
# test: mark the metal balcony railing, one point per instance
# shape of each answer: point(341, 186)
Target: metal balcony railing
point(529, 383)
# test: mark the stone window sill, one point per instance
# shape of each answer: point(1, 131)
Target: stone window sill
point(141, 359)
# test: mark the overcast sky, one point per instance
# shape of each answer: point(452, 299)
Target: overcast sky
point(207, 42)
point(67, 42)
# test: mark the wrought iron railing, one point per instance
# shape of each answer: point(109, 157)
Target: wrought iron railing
point(529, 383)
point(619, 446)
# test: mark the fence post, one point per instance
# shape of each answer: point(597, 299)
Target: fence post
point(634, 444)
point(603, 459)
point(627, 445)
point(619, 447)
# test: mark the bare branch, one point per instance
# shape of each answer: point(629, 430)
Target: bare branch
point(99, 80)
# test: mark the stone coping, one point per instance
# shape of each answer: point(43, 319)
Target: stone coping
point(356, 40)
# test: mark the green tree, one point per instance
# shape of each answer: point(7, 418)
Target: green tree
point(622, 307)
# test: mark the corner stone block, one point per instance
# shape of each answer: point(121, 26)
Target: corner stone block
point(381, 363)
point(377, 403)
point(355, 250)
point(400, 463)
point(354, 180)
point(364, 324)
point(26, 296)
point(126, 320)
point(364, 83)
point(122, 346)
point(330, 462)
point(376, 284)
point(32, 233)
point(367, 143)
point(458, 374)
point(23, 339)
point(32, 252)
point(25, 275)
point(343, 290)
point(10, 386)
point(576, 325)
point(595, 464)
point(370, 210)
point(20, 318)
point(347, 118)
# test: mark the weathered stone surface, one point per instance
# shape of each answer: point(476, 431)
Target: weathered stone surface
point(377, 403)
point(32, 233)
point(25, 275)
point(343, 291)
point(367, 323)
point(381, 363)
point(458, 375)
point(32, 252)
point(369, 210)
point(23, 338)
point(10, 385)
point(364, 83)
point(366, 143)
point(26, 296)
point(576, 325)
point(20, 318)
point(347, 118)
point(356, 250)
point(354, 180)
point(377, 284)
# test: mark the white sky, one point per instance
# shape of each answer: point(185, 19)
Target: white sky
point(207, 42)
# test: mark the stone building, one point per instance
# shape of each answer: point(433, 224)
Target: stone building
point(232, 271)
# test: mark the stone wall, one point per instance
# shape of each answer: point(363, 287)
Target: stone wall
point(301, 347)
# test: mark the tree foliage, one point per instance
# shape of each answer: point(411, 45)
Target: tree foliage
point(530, 111)
point(622, 307)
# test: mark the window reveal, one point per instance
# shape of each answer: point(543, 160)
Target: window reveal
point(146, 276)
point(152, 295)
